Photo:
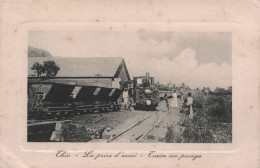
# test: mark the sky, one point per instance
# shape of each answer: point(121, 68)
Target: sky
point(199, 59)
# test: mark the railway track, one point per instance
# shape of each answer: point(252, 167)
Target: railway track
point(39, 121)
point(139, 130)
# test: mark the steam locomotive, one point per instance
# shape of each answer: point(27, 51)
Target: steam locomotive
point(145, 95)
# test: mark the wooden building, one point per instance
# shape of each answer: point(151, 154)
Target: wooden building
point(93, 71)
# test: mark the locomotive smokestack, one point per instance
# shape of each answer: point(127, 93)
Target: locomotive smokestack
point(147, 79)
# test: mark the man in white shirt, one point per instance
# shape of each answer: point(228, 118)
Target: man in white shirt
point(125, 98)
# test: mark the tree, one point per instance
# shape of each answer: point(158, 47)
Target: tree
point(203, 89)
point(222, 91)
point(51, 69)
point(48, 67)
point(38, 69)
point(208, 88)
point(229, 89)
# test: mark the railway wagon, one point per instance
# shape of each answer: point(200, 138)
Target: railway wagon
point(61, 100)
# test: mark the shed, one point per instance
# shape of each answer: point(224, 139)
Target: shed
point(92, 71)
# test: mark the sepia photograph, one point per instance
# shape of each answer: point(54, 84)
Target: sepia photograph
point(129, 87)
point(157, 84)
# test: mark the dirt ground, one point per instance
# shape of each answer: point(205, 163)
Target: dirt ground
point(110, 120)
point(116, 122)
point(83, 128)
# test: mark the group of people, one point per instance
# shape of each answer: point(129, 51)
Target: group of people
point(172, 102)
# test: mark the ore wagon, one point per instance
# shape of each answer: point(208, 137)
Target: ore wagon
point(63, 99)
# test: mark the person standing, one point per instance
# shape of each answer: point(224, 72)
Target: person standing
point(130, 99)
point(125, 98)
point(174, 100)
point(166, 100)
point(189, 104)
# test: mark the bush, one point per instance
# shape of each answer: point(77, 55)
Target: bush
point(211, 122)
point(198, 101)
point(218, 108)
point(200, 130)
point(169, 137)
point(197, 130)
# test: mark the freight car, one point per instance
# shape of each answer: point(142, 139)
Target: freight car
point(60, 100)
point(145, 95)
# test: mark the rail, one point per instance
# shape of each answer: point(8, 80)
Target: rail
point(130, 128)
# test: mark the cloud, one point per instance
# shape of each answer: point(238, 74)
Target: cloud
point(185, 68)
point(210, 46)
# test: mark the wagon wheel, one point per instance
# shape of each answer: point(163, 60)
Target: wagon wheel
point(58, 116)
point(77, 112)
point(63, 114)
point(104, 110)
point(69, 114)
point(66, 114)
point(43, 115)
point(72, 113)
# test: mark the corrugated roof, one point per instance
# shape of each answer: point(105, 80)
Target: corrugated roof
point(80, 67)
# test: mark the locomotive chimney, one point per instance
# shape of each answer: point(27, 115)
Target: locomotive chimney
point(147, 79)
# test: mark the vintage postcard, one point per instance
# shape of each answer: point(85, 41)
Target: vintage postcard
point(105, 90)
point(150, 91)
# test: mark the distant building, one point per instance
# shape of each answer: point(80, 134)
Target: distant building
point(93, 71)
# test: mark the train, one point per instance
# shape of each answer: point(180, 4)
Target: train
point(62, 99)
point(55, 99)
point(146, 96)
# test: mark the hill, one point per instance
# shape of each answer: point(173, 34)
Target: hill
point(35, 52)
